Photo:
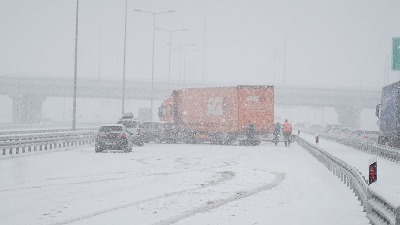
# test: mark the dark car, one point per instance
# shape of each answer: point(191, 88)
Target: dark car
point(159, 132)
point(113, 137)
point(169, 133)
point(152, 131)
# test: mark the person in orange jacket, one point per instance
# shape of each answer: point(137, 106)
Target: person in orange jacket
point(287, 132)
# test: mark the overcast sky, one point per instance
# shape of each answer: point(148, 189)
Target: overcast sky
point(328, 42)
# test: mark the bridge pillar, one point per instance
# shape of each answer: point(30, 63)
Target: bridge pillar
point(27, 108)
point(349, 116)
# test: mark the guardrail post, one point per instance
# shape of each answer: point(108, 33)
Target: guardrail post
point(10, 152)
point(17, 150)
point(4, 151)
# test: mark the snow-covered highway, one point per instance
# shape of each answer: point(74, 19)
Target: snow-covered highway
point(174, 184)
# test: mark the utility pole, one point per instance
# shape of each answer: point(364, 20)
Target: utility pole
point(284, 60)
point(75, 68)
point(100, 53)
point(204, 50)
point(124, 65)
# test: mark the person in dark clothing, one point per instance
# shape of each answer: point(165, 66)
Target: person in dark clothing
point(277, 129)
point(276, 133)
point(251, 134)
point(250, 130)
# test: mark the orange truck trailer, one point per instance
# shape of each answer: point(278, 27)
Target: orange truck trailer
point(220, 114)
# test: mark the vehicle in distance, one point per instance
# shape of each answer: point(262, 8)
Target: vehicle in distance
point(133, 128)
point(316, 128)
point(365, 135)
point(113, 137)
point(299, 126)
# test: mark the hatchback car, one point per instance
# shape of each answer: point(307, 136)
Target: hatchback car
point(113, 137)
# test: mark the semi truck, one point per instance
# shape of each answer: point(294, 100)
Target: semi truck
point(388, 113)
point(221, 115)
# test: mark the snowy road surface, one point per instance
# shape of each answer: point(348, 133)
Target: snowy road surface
point(175, 184)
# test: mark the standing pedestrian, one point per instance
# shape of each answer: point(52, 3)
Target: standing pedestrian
point(287, 132)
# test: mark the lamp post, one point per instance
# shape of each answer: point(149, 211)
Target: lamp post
point(123, 70)
point(170, 46)
point(180, 61)
point(75, 69)
point(204, 51)
point(152, 63)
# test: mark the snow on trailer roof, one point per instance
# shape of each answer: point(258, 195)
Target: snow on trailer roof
point(223, 87)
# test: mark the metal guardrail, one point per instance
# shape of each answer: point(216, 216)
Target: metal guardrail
point(21, 143)
point(379, 209)
point(44, 130)
point(386, 152)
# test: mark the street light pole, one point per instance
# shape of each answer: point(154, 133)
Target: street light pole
point(170, 49)
point(100, 52)
point(180, 60)
point(184, 64)
point(284, 60)
point(123, 70)
point(152, 64)
point(152, 68)
point(169, 60)
point(204, 51)
point(75, 68)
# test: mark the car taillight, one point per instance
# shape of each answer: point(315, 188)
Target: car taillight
point(122, 135)
point(138, 131)
point(98, 136)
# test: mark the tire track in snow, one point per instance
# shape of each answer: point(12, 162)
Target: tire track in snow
point(60, 184)
point(225, 164)
point(210, 205)
point(222, 177)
